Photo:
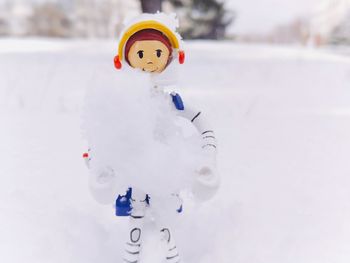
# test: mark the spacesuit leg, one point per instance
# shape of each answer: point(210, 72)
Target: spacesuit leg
point(172, 253)
point(133, 245)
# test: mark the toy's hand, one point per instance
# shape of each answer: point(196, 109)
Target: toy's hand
point(103, 183)
point(207, 180)
point(105, 176)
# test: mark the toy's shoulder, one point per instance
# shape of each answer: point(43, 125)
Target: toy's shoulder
point(177, 100)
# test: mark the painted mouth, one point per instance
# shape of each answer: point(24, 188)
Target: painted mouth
point(151, 71)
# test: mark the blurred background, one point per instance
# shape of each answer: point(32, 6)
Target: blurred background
point(309, 22)
point(272, 76)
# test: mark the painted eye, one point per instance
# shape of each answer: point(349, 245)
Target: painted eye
point(159, 52)
point(140, 53)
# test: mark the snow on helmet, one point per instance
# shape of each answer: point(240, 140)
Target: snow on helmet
point(166, 24)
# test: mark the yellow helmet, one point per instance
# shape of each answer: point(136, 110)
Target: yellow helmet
point(173, 37)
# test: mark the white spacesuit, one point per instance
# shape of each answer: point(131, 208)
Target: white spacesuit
point(135, 203)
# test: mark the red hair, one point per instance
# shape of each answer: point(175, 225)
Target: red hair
point(147, 34)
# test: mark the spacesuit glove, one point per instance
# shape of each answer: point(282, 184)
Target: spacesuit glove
point(103, 184)
point(206, 181)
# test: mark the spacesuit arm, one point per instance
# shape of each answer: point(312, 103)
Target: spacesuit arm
point(207, 179)
point(209, 143)
point(102, 181)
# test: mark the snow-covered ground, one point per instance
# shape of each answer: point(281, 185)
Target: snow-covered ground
point(282, 117)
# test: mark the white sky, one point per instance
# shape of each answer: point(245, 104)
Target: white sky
point(260, 16)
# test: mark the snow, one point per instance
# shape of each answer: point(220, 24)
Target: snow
point(282, 120)
point(133, 129)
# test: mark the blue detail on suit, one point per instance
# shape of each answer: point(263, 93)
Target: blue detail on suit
point(123, 204)
point(177, 101)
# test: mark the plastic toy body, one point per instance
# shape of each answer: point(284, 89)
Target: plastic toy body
point(123, 204)
point(150, 45)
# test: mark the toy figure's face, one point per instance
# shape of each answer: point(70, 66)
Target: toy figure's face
point(149, 55)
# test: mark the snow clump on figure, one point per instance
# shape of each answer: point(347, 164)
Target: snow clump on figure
point(133, 130)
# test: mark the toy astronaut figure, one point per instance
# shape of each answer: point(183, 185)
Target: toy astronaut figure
point(149, 45)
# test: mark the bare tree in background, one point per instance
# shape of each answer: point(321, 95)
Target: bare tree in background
point(151, 6)
point(340, 35)
point(49, 19)
point(3, 27)
point(203, 19)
